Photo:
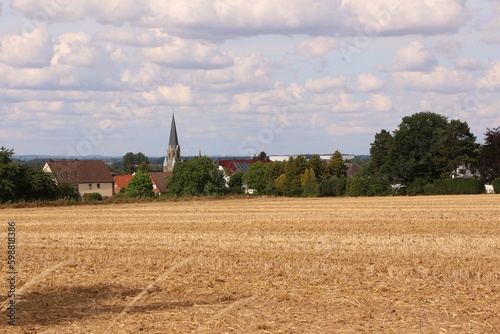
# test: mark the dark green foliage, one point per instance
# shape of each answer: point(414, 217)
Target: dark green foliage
point(337, 167)
point(23, 182)
point(92, 197)
point(140, 186)
point(131, 161)
point(489, 155)
point(334, 186)
point(415, 147)
point(457, 186)
point(235, 183)
point(196, 177)
point(417, 187)
point(380, 150)
point(66, 190)
point(254, 178)
point(319, 167)
point(368, 186)
point(496, 185)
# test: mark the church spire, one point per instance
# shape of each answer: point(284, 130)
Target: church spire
point(174, 141)
point(173, 150)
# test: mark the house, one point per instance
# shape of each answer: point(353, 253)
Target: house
point(233, 165)
point(121, 181)
point(86, 176)
point(159, 181)
point(352, 170)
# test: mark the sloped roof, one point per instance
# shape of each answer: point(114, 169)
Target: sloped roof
point(121, 181)
point(232, 165)
point(80, 171)
point(160, 180)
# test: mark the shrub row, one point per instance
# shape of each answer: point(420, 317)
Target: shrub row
point(496, 185)
point(457, 186)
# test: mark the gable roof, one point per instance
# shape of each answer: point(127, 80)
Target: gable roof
point(121, 181)
point(79, 171)
point(231, 166)
point(160, 180)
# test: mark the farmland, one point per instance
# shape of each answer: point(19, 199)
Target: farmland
point(260, 265)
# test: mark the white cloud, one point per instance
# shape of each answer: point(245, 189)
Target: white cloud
point(491, 39)
point(28, 49)
point(139, 37)
point(450, 47)
point(440, 80)
point(491, 78)
point(317, 46)
point(367, 82)
point(325, 84)
point(178, 95)
point(414, 57)
point(182, 53)
point(379, 102)
point(403, 17)
point(470, 64)
point(347, 104)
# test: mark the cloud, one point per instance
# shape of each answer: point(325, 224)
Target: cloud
point(491, 78)
point(366, 82)
point(441, 80)
point(470, 64)
point(325, 84)
point(414, 57)
point(404, 17)
point(379, 102)
point(491, 39)
point(1, 8)
point(30, 49)
point(450, 47)
point(347, 104)
point(182, 53)
point(317, 46)
point(148, 38)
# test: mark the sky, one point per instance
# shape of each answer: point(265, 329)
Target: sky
point(81, 78)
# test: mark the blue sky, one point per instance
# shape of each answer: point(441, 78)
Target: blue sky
point(94, 77)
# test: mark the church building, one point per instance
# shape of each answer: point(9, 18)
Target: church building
point(173, 149)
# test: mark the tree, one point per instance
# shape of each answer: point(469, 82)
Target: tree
point(318, 165)
point(235, 183)
point(140, 186)
point(415, 147)
point(254, 178)
point(132, 160)
point(196, 177)
point(380, 151)
point(309, 183)
point(8, 172)
point(263, 156)
point(337, 166)
point(489, 155)
point(456, 146)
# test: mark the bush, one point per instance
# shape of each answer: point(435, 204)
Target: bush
point(364, 186)
point(334, 186)
point(458, 186)
point(94, 197)
point(496, 185)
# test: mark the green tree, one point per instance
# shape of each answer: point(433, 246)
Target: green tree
point(262, 156)
point(196, 177)
point(416, 147)
point(456, 146)
point(489, 155)
point(318, 165)
point(140, 186)
point(380, 151)
point(254, 178)
point(8, 172)
point(309, 183)
point(235, 183)
point(337, 167)
point(132, 160)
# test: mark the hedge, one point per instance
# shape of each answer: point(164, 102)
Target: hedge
point(458, 186)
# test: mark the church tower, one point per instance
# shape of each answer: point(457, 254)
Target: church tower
point(173, 150)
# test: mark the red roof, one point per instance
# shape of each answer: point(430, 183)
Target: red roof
point(231, 166)
point(160, 180)
point(80, 171)
point(121, 181)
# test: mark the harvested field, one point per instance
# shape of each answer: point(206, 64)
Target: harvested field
point(260, 265)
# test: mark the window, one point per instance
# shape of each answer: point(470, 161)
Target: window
point(90, 185)
point(75, 188)
point(98, 186)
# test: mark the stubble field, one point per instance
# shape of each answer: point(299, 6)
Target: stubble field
point(259, 265)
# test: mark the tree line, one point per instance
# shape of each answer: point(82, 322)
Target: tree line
point(426, 154)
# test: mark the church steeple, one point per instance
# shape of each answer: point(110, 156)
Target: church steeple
point(173, 150)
